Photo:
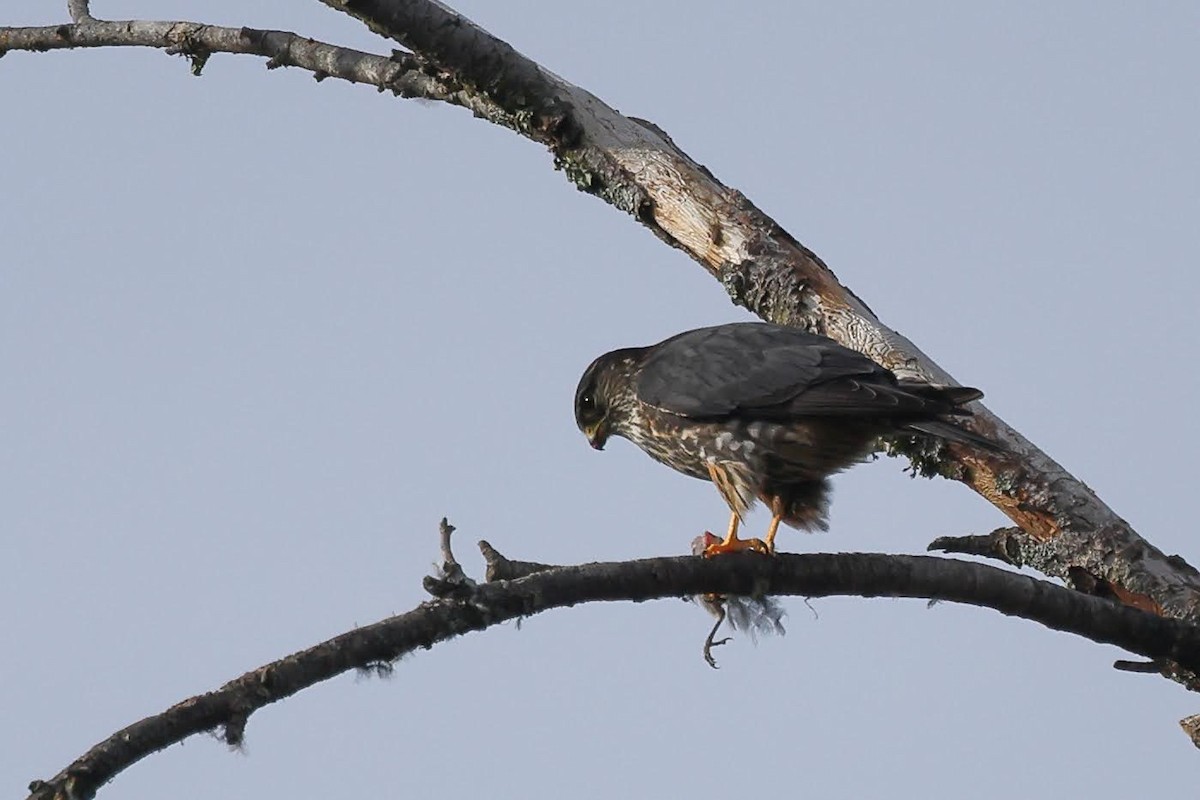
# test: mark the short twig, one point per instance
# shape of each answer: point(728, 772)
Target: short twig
point(451, 581)
point(500, 568)
point(992, 545)
point(451, 570)
point(1148, 667)
point(79, 11)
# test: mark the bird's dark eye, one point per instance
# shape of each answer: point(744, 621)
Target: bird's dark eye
point(589, 399)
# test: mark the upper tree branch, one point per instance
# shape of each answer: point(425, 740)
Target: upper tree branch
point(1065, 530)
point(867, 575)
point(1068, 531)
point(403, 74)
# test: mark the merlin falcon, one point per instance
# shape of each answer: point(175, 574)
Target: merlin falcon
point(765, 412)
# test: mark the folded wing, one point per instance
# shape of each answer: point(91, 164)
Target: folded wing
point(770, 372)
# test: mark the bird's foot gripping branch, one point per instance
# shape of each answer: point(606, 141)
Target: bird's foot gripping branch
point(755, 615)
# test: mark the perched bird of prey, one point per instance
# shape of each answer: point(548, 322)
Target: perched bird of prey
point(764, 412)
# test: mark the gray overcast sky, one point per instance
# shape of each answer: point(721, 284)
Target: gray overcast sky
point(260, 334)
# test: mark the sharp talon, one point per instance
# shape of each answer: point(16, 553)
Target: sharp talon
point(736, 546)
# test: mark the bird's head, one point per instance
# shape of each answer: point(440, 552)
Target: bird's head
point(606, 397)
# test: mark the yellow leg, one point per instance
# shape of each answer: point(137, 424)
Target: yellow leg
point(731, 534)
point(732, 544)
point(773, 529)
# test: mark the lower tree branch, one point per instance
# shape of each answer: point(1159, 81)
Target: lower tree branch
point(377, 646)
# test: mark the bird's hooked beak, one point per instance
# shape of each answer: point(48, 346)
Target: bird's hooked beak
point(597, 435)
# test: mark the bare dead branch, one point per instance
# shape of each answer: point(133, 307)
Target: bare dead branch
point(751, 575)
point(403, 74)
point(476, 58)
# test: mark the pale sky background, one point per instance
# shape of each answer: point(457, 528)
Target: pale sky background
point(260, 334)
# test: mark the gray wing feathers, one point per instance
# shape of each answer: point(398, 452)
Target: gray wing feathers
point(771, 372)
point(714, 372)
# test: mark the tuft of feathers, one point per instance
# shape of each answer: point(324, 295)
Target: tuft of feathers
point(753, 616)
